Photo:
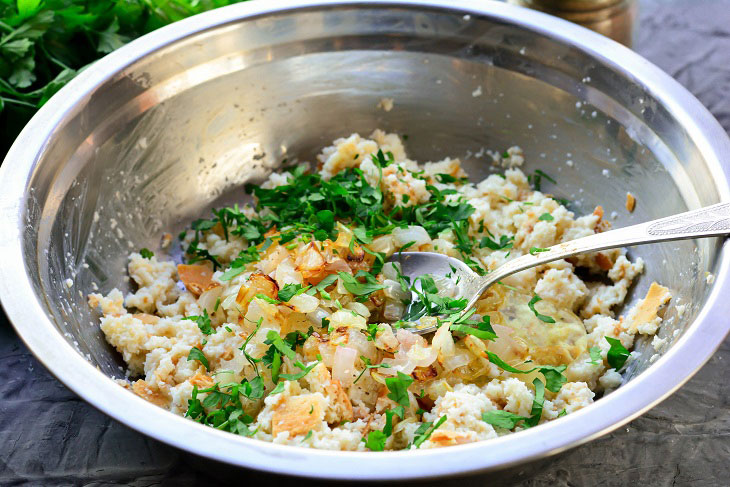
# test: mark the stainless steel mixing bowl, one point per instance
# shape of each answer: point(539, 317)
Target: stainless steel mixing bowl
point(161, 130)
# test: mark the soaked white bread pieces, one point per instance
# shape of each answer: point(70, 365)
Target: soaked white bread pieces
point(347, 376)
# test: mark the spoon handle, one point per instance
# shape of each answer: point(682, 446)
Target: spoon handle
point(710, 221)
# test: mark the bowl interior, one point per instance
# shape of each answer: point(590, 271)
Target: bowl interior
point(180, 131)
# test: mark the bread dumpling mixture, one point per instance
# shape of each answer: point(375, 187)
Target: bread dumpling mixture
point(287, 324)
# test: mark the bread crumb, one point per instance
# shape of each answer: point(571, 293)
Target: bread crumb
point(680, 310)
point(165, 241)
point(385, 104)
point(630, 202)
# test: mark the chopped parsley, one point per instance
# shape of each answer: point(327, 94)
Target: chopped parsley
point(502, 419)
point(376, 440)
point(537, 403)
point(249, 358)
point(291, 290)
point(425, 430)
point(482, 330)
point(554, 378)
point(429, 302)
point(368, 366)
point(398, 387)
point(617, 354)
point(595, 353)
point(360, 288)
point(546, 217)
point(267, 299)
point(505, 242)
point(537, 250)
point(231, 273)
point(203, 322)
point(278, 389)
point(536, 179)
point(278, 343)
point(535, 299)
point(320, 288)
point(197, 354)
point(304, 370)
point(223, 403)
point(146, 253)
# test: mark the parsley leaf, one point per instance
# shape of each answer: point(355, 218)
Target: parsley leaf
point(266, 298)
point(595, 353)
point(553, 374)
point(502, 419)
point(203, 322)
point(253, 389)
point(398, 387)
point(231, 273)
point(248, 256)
point(505, 242)
point(146, 253)
point(388, 428)
point(376, 440)
point(249, 358)
point(359, 288)
point(482, 331)
point(425, 430)
point(537, 250)
point(368, 366)
point(537, 403)
point(327, 281)
point(275, 366)
point(554, 378)
point(304, 371)
point(535, 299)
point(546, 217)
point(289, 291)
point(197, 354)
point(617, 354)
point(536, 179)
point(278, 389)
point(273, 338)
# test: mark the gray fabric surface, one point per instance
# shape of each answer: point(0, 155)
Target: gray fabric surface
point(48, 436)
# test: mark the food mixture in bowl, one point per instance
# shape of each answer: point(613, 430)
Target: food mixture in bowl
point(287, 323)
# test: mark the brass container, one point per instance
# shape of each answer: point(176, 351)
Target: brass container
point(612, 18)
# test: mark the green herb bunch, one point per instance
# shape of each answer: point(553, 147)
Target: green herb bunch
point(45, 43)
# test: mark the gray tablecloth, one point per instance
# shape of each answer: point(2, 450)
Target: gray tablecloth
point(48, 436)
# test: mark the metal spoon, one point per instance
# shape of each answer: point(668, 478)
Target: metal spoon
point(711, 221)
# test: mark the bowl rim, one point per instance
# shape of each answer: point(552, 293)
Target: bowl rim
point(25, 310)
